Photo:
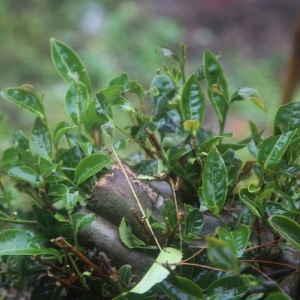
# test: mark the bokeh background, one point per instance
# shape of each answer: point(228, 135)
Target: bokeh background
point(253, 38)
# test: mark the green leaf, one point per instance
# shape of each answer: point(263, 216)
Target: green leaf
point(58, 190)
point(228, 288)
point(278, 296)
point(147, 167)
point(87, 147)
point(273, 148)
point(158, 272)
point(10, 158)
point(275, 208)
point(50, 226)
point(89, 166)
point(68, 64)
point(293, 151)
point(216, 84)
point(112, 93)
point(121, 80)
point(287, 228)
point(61, 129)
point(26, 174)
point(214, 182)
point(256, 135)
point(137, 88)
point(208, 144)
point(25, 99)
point(81, 221)
point(56, 177)
point(132, 296)
point(91, 118)
point(72, 157)
point(70, 200)
point(42, 139)
point(108, 128)
point(170, 215)
point(206, 276)
point(23, 242)
point(221, 255)
point(128, 238)
point(173, 140)
point(192, 101)
point(222, 148)
point(103, 107)
point(164, 90)
point(125, 273)
point(249, 199)
point(46, 166)
point(26, 157)
point(121, 144)
point(249, 94)
point(180, 288)
point(233, 165)
point(124, 104)
point(287, 118)
point(290, 171)
point(140, 132)
point(236, 239)
point(194, 222)
point(60, 217)
point(77, 99)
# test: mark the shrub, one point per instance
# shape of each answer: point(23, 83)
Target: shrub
point(221, 228)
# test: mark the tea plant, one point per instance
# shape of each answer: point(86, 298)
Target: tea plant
point(219, 236)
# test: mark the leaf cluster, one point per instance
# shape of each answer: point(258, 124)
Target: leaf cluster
point(211, 250)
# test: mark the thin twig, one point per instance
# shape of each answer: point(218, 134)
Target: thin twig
point(61, 242)
point(141, 220)
point(201, 266)
point(268, 262)
point(137, 200)
point(262, 273)
point(18, 221)
point(5, 196)
point(177, 212)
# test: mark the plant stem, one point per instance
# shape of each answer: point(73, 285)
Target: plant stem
point(61, 242)
point(145, 148)
point(157, 146)
point(221, 221)
point(17, 221)
point(73, 230)
point(78, 272)
point(6, 198)
point(182, 62)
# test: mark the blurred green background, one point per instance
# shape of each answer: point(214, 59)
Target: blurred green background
point(111, 36)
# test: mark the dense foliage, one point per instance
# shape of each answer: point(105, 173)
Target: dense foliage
point(226, 216)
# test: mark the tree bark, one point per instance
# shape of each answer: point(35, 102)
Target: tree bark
point(111, 200)
point(105, 236)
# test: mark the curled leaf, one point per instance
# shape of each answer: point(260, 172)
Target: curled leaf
point(287, 228)
point(25, 99)
point(249, 94)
